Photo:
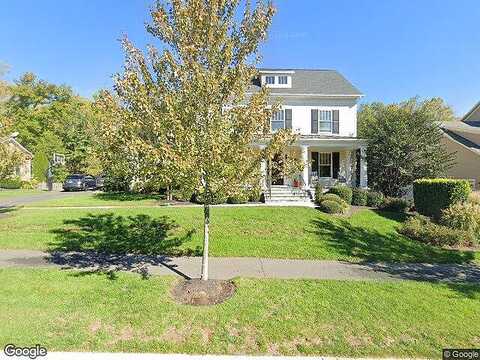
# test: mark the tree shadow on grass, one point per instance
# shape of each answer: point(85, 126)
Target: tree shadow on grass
point(105, 243)
point(368, 244)
point(400, 257)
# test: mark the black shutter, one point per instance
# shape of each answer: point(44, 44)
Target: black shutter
point(288, 118)
point(336, 122)
point(315, 161)
point(336, 164)
point(314, 121)
point(357, 167)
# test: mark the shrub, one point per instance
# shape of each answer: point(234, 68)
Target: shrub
point(375, 198)
point(318, 193)
point(255, 195)
point(434, 195)
point(396, 204)
point(240, 198)
point(422, 229)
point(14, 183)
point(359, 197)
point(215, 201)
point(29, 185)
point(462, 216)
point(474, 198)
point(331, 207)
point(343, 191)
point(333, 197)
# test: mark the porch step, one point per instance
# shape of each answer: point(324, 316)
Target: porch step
point(283, 193)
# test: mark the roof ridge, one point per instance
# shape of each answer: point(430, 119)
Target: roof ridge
point(298, 69)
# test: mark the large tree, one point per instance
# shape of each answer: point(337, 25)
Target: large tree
point(182, 117)
point(404, 142)
point(9, 156)
point(51, 118)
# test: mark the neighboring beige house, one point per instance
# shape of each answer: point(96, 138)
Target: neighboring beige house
point(463, 137)
point(24, 171)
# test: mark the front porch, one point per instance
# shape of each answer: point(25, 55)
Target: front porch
point(326, 161)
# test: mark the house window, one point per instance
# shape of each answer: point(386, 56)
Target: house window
point(270, 80)
point(278, 120)
point(325, 165)
point(283, 80)
point(325, 120)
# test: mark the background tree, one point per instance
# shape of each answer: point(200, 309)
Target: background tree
point(51, 118)
point(10, 158)
point(182, 117)
point(404, 142)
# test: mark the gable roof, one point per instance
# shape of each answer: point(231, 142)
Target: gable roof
point(475, 123)
point(319, 82)
point(462, 141)
point(14, 142)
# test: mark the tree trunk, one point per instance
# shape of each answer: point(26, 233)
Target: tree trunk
point(206, 219)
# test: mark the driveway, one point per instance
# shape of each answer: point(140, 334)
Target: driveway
point(31, 198)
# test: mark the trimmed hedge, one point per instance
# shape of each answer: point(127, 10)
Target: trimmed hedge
point(10, 183)
point(431, 196)
point(318, 193)
point(331, 207)
point(375, 198)
point(343, 191)
point(359, 197)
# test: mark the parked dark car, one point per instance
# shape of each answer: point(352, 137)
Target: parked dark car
point(79, 182)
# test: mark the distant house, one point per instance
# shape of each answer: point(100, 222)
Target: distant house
point(24, 170)
point(463, 138)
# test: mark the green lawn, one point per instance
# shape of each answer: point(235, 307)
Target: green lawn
point(66, 311)
point(102, 199)
point(274, 232)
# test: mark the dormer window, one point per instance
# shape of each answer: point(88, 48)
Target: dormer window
point(283, 80)
point(270, 80)
point(276, 79)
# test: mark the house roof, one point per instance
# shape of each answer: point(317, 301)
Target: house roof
point(462, 141)
point(14, 142)
point(321, 82)
point(474, 123)
point(461, 126)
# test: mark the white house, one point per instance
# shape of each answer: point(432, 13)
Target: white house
point(321, 106)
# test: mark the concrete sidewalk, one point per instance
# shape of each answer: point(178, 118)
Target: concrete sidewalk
point(227, 268)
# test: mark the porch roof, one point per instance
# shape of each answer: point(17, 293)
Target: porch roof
point(326, 141)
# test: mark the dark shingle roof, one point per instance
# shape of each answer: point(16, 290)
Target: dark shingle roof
point(320, 82)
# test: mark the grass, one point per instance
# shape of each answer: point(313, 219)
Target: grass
point(6, 194)
point(93, 199)
point(65, 311)
point(272, 232)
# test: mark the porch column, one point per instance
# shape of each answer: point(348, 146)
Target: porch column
point(304, 150)
point(263, 171)
point(363, 168)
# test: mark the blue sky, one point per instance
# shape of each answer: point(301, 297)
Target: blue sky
point(391, 50)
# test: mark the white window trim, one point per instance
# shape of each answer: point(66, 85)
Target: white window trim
point(320, 164)
point(276, 83)
point(283, 120)
point(318, 121)
point(274, 80)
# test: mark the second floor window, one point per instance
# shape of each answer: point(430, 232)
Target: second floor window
point(283, 80)
point(278, 120)
point(325, 120)
point(270, 80)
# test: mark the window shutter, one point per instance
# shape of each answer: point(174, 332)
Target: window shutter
point(336, 122)
point(315, 161)
point(314, 121)
point(335, 164)
point(288, 118)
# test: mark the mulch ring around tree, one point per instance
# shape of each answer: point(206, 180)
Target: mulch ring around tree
point(202, 292)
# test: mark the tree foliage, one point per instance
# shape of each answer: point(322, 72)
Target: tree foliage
point(51, 118)
point(182, 117)
point(404, 142)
